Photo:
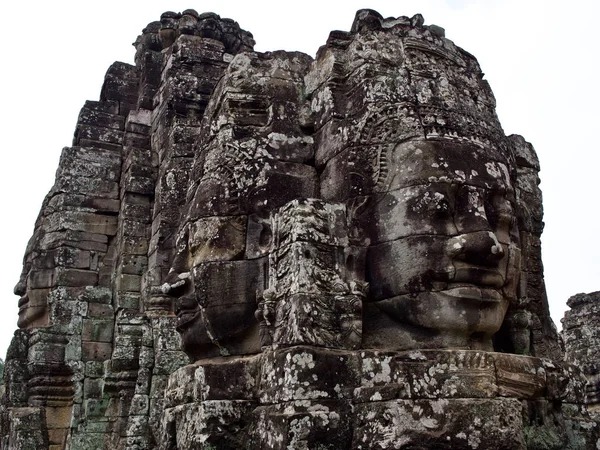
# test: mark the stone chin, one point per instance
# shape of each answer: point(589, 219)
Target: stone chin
point(213, 331)
point(190, 326)
point(195, 341)
point(470, 312)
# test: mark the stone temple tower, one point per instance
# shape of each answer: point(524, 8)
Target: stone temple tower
point(249, 250)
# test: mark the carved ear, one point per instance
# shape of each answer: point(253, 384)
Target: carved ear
point(531, 295)
point(180, 262)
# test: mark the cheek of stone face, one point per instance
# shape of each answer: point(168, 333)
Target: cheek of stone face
point(35, 310)
point(33, 317)
point(217, 238)
point(409, 265)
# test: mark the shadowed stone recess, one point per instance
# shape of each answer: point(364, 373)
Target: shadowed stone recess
point(273, 251)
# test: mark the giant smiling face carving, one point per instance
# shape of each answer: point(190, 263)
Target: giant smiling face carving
point(444, 257)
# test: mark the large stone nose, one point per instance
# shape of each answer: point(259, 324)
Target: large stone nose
point(21, 287)
point(480, 248)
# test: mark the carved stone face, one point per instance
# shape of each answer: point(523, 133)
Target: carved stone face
point(216, 316)
point(216, 300)
point(444, 255)
point(33, 306)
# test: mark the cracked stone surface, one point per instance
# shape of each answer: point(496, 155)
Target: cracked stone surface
point(274, 251)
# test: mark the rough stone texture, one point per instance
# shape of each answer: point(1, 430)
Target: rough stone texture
point(266, 250)
point(581, 335)
point(310, 397)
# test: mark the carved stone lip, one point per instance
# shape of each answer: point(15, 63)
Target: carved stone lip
point(187, 311)
point(483, 277)
point(23, 302)
point(473, 292)
point(186, 318)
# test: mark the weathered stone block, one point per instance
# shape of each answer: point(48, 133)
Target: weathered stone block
point(147, 357)
point(75, 277)
point(520, 376)
point(17, 394)
point(101, 119)
point(217, 423)
point(127, 300)
point(128, 283)
point(426, 374)
point(331, 139)
point(124, 339)
point(232, 378)
point(140, 140)
point(180, 386)
point(307, 373)
point(227, 292)
point(100, 310)
point(95, 351)
point(307, 267)
point(94, 369)
point(92, 388)
point(48, 352)
point(258, 237)
point(27, 425)
point(165, 336)
point(15, 371)
point(302, 424)
point(87, 186)
point(86, 202)
point(456, 423)
point(224, 193)
point(136, 425)
point(167, 361)
point(88, 143)
point(40, 279)
point(77, 239)
point(312, 220)
point(95, 407)
point(97, 330)
point(411, 262)
point(81, 221)
point(100, 134)
point(58, 417)
point(91, 163)
point(135, 246)
point(138, 185)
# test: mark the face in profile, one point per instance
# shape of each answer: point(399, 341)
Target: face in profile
point(215, 300)
point(444, 253)
point(33, 306)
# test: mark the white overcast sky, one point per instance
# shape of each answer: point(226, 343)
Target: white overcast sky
point(541, 58)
